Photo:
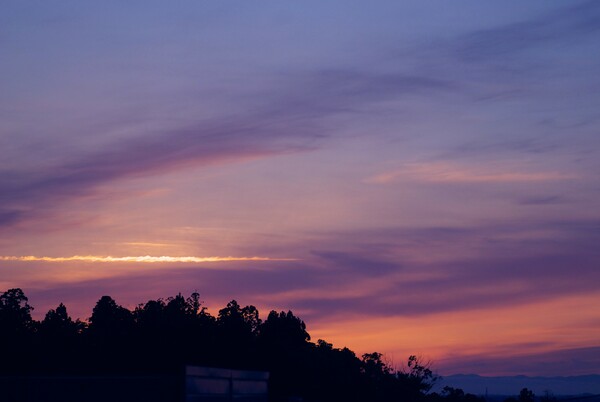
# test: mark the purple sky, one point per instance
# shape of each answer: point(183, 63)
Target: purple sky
point(422, 175)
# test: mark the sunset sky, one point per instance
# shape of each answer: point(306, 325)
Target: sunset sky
point(414, 177)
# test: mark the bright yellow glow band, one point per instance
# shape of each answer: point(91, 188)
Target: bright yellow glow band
point(142, 258)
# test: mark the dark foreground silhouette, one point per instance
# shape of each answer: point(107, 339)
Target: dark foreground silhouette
point(140, 355)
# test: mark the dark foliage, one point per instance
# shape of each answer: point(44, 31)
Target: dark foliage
point(160, 337)
point(450, 394)
point(526, 395)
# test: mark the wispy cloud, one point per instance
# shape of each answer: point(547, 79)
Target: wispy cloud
point(8, 217)
point(566, 24)
point(141, 258)
point(23, 194)
point(449, 173)
point(147, 244)
point(291, 120)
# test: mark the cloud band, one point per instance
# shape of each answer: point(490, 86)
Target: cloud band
point(142, 258)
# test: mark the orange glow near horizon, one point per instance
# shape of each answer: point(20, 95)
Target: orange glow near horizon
point(507, 331)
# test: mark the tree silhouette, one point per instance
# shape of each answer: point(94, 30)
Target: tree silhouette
point(374, 366)
point(110, 334)
point(161, 336)
point(16, 332)
point(110, 319)
point(150, 317)
point(236, 332)
point(57, 323)
point(418, 375)
point(194, 305)
point(526, 395)
point(336, 374)
point(286, 352)
point(15, 312)
point(284, 330)
point(451, 394)
point(58, 337)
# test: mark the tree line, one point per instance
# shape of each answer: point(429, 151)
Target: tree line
point(161, 336)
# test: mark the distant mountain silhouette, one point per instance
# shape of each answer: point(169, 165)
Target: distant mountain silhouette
point(510, 385)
